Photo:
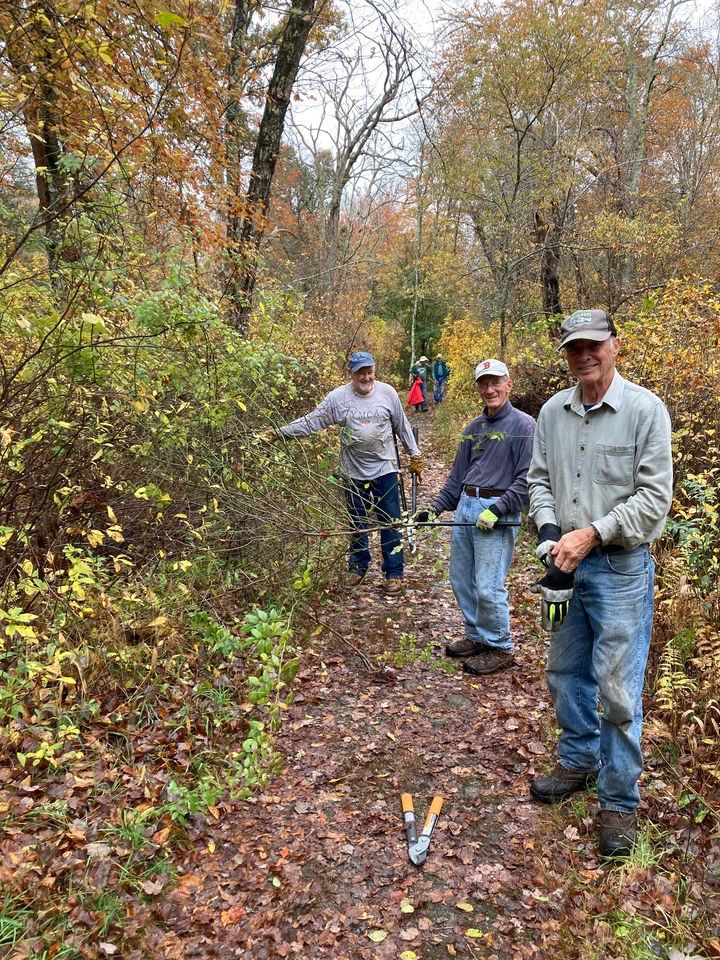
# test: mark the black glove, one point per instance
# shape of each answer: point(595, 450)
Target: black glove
point(556, 590)
point(425, 515)
point(548, 536)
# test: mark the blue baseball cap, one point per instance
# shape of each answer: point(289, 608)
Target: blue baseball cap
point(359, 360)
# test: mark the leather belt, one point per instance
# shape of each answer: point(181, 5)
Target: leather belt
point(610, 548)
point(482, 491)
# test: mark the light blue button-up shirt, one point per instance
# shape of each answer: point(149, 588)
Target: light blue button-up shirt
point(610, 466)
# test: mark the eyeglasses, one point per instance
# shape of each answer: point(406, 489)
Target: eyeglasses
point(485, 385)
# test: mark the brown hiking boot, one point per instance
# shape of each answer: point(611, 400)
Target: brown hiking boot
point(353, 579)
point(461, 648)
point(487, 660)
point(618, 833)
point(561, 783)
point(393, 587)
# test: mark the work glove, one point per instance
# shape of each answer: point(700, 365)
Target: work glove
point(556, 590)
point(416, 466)
point(425, 515)
point(487, 519)
point(548, 536)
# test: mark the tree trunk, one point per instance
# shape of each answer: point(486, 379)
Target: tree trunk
point(43, 124)
point(267, 146)
point(235, 128)
point(547, 236)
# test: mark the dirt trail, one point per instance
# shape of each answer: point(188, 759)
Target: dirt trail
point(317, 865)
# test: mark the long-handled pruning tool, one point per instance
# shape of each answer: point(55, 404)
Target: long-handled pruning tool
point(413, 488)
point(418, 846)
point(409, 532)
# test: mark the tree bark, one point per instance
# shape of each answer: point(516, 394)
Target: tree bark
point(548, 236)
point(267, 146)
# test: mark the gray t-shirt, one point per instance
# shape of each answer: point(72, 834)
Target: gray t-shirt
point(367, 450)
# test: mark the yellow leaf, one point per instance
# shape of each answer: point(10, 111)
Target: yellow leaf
point(211, 847)
point(413, 709)
point(158, 621)
point(467, 907)
point(406, 906)
point(474, 933)
point(111, 515)
point(408, 955)
point(377, 936)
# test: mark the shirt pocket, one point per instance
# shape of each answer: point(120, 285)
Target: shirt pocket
point(614, 464)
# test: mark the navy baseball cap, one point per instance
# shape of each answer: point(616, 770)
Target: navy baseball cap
point(359, 360)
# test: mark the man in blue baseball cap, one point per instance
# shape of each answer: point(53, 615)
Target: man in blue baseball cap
point(370, 414)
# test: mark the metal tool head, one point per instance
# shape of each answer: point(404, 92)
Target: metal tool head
point(418, 851)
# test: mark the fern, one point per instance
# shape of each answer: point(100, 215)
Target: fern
point(673, 687)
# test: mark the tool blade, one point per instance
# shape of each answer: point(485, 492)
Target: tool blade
point(418, 851)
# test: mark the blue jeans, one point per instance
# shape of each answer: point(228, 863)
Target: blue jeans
point(423, 387)
point(439, 389)
point(601, 651)
point(479, 563)
point(379, 497)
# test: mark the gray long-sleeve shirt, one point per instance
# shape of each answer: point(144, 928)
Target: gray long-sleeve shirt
point(610, 466)
point(494, 453)
point(367, 449)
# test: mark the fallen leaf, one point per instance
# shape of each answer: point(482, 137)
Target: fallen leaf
point(109, 949)
point(152, 887)
point(467, 907)
point(98, 850)
point(406, 906)
point(408, 955)
point(377, 936)
point(228, 917)
point(409, 933)
point(474, 933)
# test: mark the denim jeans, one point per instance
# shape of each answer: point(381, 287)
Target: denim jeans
point(439, 389)
point(479, 563)
point(423, 387)
point(600, 651)
point(379, 497)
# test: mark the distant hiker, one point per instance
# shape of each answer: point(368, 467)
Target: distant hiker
point(369, 413)
point(486, 487)
point(600, 488)
point(422, 369)
point(440, 372)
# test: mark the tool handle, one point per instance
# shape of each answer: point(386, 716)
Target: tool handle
point(433, 814)
point(409, 817)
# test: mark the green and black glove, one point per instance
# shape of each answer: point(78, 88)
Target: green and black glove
point(487, 519)
point(556, 590)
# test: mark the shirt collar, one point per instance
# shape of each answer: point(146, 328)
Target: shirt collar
point(613, 396)
point(502, 412)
